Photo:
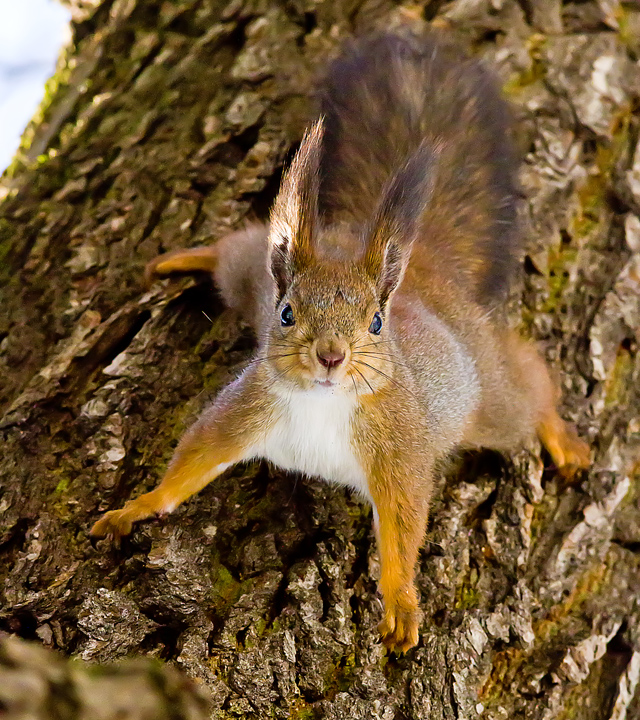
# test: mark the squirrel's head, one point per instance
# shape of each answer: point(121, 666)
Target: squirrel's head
point(330, 320)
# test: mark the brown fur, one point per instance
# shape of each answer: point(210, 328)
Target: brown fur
point(406, 225)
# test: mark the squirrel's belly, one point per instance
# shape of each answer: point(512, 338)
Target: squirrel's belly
point(312, 434)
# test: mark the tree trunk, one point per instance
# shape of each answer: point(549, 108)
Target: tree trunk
point(167, 126)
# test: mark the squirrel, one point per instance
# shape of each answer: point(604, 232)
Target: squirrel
point(376, 291)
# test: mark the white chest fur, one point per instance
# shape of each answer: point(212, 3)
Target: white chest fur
point(312, 434)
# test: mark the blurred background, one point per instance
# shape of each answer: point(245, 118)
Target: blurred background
point(32, 33)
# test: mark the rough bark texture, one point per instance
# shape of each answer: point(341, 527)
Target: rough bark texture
point(166, 126)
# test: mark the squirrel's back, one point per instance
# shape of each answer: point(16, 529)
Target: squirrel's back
point(389, 95)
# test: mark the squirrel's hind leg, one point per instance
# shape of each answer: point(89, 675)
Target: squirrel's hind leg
point(238, 265)
point(568, 452)
point(193, 260)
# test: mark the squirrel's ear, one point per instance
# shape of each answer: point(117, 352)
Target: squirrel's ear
point(294, 215)
point(397, 221)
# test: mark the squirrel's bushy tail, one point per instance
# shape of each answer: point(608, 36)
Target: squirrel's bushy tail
point(388, 95)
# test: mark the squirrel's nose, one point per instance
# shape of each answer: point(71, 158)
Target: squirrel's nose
point(330, 358)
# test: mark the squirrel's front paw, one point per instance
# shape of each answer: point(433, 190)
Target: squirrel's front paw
point(117, 523)
point(114, 525)
point(399, 626)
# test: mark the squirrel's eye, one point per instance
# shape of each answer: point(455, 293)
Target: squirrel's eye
point(376, 324)
point(286, 316)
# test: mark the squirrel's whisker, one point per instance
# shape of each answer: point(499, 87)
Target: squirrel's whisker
point(261, 359)
point(355, 387)
point(393, 380)
point(388, 361)
point(365, 379)
point(284, 372)
point(378, 342)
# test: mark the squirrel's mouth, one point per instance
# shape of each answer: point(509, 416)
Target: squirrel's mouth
point(325, 383)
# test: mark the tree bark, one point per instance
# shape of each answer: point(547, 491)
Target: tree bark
point(166, 126)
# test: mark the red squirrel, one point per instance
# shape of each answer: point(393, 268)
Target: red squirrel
point(374, 292)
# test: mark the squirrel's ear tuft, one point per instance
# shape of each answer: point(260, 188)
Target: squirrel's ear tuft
point(294, 216)
point(396, 222)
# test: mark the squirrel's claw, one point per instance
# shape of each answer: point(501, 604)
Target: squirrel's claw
point(113, 525)
point(117, 523)
point(576, 453)
point(568, 452)
point(399, 628)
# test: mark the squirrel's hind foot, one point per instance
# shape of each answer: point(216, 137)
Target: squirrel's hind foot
point(568, 452)
point(185, 262)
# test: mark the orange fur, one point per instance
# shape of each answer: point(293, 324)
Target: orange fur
point(199, 259)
